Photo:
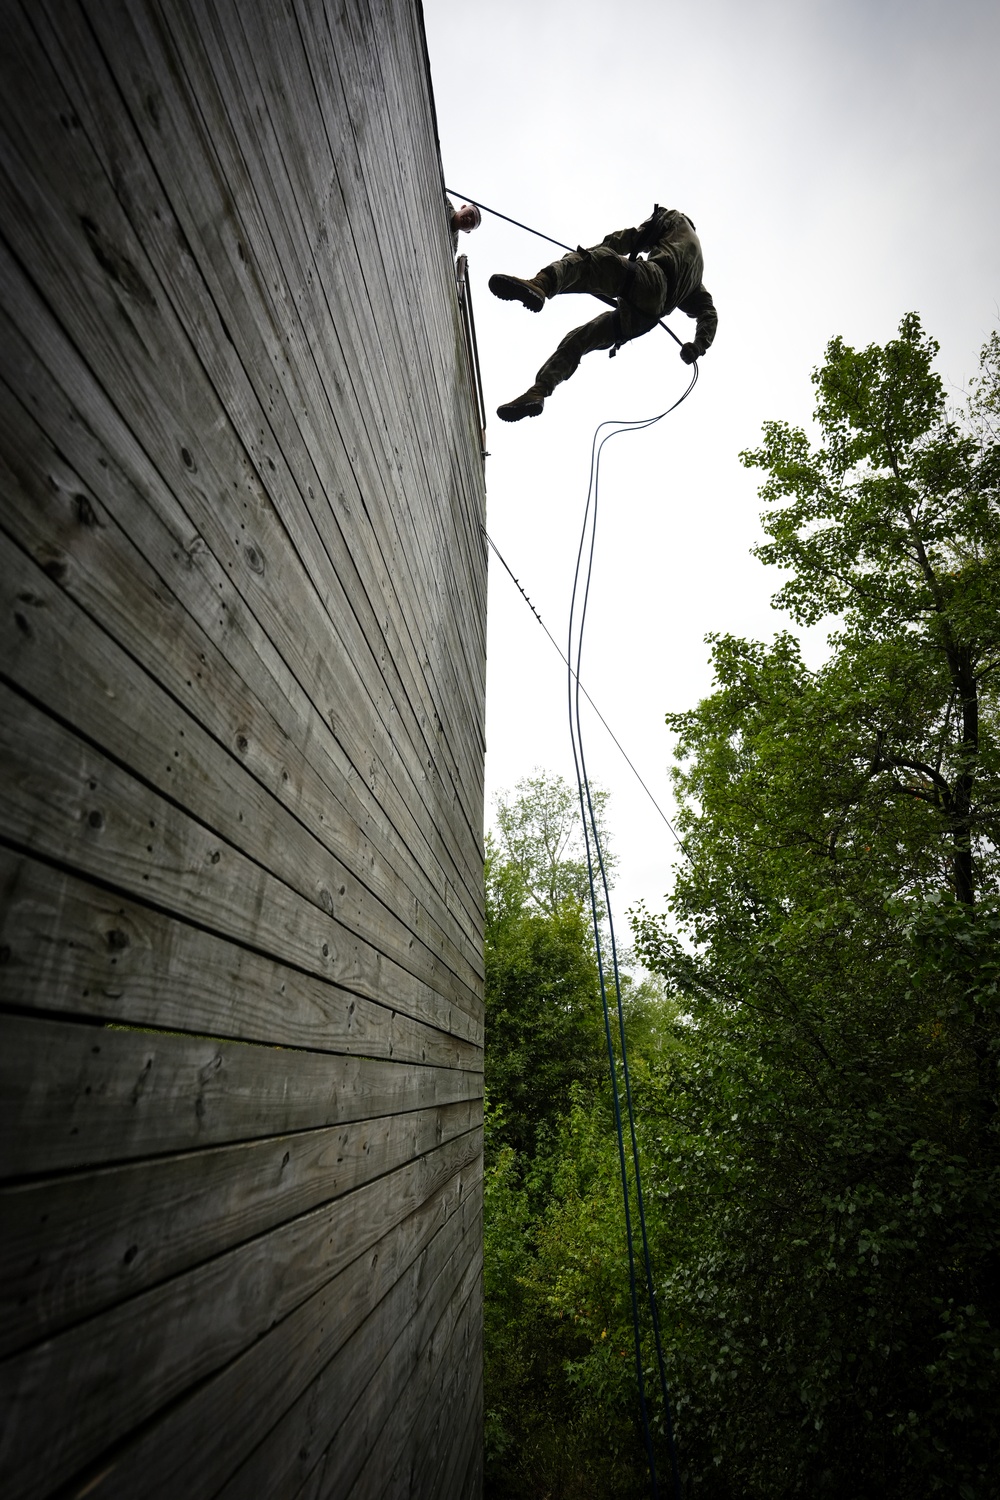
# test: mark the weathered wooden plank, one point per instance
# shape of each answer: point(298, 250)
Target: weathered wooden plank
point(357, 1460)
point(145, 59)
point(472, 1484)
point(76, 1096)
point(408, 339)
point(61, 250)
point(347, 1322)
point(395, 293)
point(53, 650)
point(401, 234)
point(72, 947)
point(386, 1436)
point(65, 526)
point(240, 491)
point(448, 1423)
point(468, 1360)
point(131, 602)
point(73, 1246)
point(291, 215)
point(65, 801)
point(332, 1409)
point(111, 1373)
point(304, 70)
point(403, 249)
point(359, 1463)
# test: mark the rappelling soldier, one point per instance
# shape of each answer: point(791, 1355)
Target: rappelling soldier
point(649, 271)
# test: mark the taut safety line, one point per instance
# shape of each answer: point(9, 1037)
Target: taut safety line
point(563, 658)
point(528, 230)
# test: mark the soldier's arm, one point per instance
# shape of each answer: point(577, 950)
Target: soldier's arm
point(620, 240)
point(701, 307)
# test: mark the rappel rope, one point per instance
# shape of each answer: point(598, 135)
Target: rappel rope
point(595, 858)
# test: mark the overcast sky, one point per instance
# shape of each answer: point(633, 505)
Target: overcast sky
point(840, 161)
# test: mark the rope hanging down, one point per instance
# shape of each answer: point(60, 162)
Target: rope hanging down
point(595, 858)
point(595, 862)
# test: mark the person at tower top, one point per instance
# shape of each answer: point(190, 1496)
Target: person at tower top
point(649, 271)
point(465, 218)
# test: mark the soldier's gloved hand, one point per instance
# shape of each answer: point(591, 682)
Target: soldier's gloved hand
point(689, 353)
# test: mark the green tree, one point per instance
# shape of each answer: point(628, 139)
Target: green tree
point(561, 1407)
point(543, 1019)
point(892, 524)
point(539, 832)
point(826, 1140)
point(560, 1376)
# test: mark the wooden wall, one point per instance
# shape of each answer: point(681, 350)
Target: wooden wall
point(241, 752)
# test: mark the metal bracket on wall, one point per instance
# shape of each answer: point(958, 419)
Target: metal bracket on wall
point(471, 347)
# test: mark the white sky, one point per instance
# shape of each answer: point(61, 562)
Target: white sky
point(840, 160)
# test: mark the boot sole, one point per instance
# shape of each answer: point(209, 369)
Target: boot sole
point(509, 289)
point(514, 412)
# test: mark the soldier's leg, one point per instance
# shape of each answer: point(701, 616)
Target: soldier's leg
point(602, 332)
point(599, 270)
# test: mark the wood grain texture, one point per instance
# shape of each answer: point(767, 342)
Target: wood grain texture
point(429, 1430)
point(112, 1373)
point(414, 1419)
point(301, 1373)
point(76, 1096)
point(242, 676)
point(72, 947)
point(177, 327)
point(67, 801)
point(54, 651)
point(70, 1247)
point(79, 481)
point(319, 1435)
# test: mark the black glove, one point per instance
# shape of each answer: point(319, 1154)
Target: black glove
point(689, 353)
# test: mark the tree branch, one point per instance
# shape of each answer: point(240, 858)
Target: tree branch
point(904, 763)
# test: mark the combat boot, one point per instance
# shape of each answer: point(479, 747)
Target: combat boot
point(528, 405)
point(530, 293)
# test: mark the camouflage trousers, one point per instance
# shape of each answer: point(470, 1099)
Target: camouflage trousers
point(643, 296)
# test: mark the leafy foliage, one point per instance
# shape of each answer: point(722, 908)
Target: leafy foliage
point(816, 1078)
point(560, 1376)
point(838, 1263)
point(541, 836)
point(893, 524)
point(542, 1014)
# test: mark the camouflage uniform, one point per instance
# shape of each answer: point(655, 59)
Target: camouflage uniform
point(646, 290)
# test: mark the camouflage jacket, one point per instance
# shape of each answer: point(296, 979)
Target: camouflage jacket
point(672, 244)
